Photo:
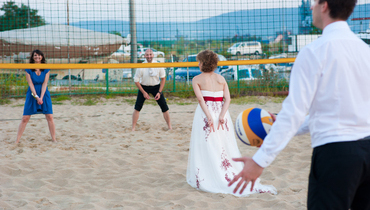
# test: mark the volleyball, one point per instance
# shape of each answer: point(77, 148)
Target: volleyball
point(252, 126)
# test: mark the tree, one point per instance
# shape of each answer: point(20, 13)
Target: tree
point(15, 17)
point(115, 33)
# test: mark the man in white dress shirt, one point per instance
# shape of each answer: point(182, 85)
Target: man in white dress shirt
point(330, 81)
point(150, 80)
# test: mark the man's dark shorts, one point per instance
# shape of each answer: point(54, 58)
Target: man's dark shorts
point(150, 90)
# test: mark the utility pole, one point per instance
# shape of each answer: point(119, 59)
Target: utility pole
point(28, 11)
point(283, 30)
point(69, 61)
point(133, 35)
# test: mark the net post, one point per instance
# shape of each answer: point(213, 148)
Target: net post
point(174, 80)
point(237, 73)
point(107, 81)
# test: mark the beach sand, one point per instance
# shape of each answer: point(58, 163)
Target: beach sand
point(98, 163)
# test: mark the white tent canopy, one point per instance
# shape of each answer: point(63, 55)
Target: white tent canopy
point(59, 35)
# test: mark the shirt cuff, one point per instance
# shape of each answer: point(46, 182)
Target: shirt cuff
point(136, 79)
point(262, 159)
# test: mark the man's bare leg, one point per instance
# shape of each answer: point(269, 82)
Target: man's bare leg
point(135, 117)
point(166, 116)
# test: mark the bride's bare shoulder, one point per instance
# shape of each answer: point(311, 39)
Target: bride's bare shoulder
point(220, 78)
point(198, 77)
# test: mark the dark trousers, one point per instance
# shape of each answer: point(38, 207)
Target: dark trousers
point(150, 90)
point(340, 176)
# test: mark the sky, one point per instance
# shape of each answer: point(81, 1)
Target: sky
point(55, 11)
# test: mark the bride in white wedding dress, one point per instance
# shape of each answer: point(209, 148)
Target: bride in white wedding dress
point(213, 143)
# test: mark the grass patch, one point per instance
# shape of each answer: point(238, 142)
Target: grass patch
point(130, 101)
point(249, 100)
point(183, 103)
point(4, 101)
point(90, 101)
point(181, 94)
point(57, 103)
point(62, 98)
point(110, 96)
point(151, 101)
point(278, 99)
point(86, 101)
point(18, 105)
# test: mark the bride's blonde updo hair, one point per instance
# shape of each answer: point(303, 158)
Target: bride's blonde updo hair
point(209, 60)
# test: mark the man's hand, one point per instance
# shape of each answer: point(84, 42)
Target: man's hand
point(157, 96)
point(273, 117)
point(146, 95)
point(250, 173)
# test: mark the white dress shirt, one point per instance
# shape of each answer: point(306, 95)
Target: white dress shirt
point(149, 76)
point(330, 80)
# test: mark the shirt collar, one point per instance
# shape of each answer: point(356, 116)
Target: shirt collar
point(335, 26)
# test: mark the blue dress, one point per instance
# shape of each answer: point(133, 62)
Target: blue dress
point(31, 106)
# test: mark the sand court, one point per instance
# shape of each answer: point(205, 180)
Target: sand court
point(98, 163)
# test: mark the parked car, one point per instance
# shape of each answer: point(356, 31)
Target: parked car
point(53, 76)
point(126, 74)
point(286, 66)
point(141, 52)
point(246, 72)
point(282, 71)
point(117, 74)
point(122, 51)
point(244, 48)
point(181, 73)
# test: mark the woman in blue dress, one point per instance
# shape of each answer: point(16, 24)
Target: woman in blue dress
point(38, 100)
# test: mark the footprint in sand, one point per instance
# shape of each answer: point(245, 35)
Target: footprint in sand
point(125, 145)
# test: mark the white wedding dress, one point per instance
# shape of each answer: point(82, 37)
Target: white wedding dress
point(210, 167)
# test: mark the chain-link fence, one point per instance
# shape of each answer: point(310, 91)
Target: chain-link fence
point(119, 31)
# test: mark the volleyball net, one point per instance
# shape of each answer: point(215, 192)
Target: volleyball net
point(94, 46)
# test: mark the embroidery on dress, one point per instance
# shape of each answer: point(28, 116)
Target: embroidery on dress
point(197, 179)
point(206, 128)
point(229, 178)
point(225, 163)
point(214, 107)
point(227, 128)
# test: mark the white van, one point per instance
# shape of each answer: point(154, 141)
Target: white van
point(243, 48)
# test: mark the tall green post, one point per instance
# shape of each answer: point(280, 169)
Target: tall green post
point(174, 80)
point(107, 81)
point(237, 73)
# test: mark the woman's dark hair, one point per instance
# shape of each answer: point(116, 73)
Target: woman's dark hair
point(39, 52)
point(340, 9)
point(208, 59)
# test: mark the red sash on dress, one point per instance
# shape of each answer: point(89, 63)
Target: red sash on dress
point(207, 98)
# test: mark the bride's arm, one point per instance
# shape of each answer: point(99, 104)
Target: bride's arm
point(226, 105)
point(201, 102)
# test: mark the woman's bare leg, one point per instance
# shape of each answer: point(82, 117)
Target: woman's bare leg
point(22, 127)
point(51, 124)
